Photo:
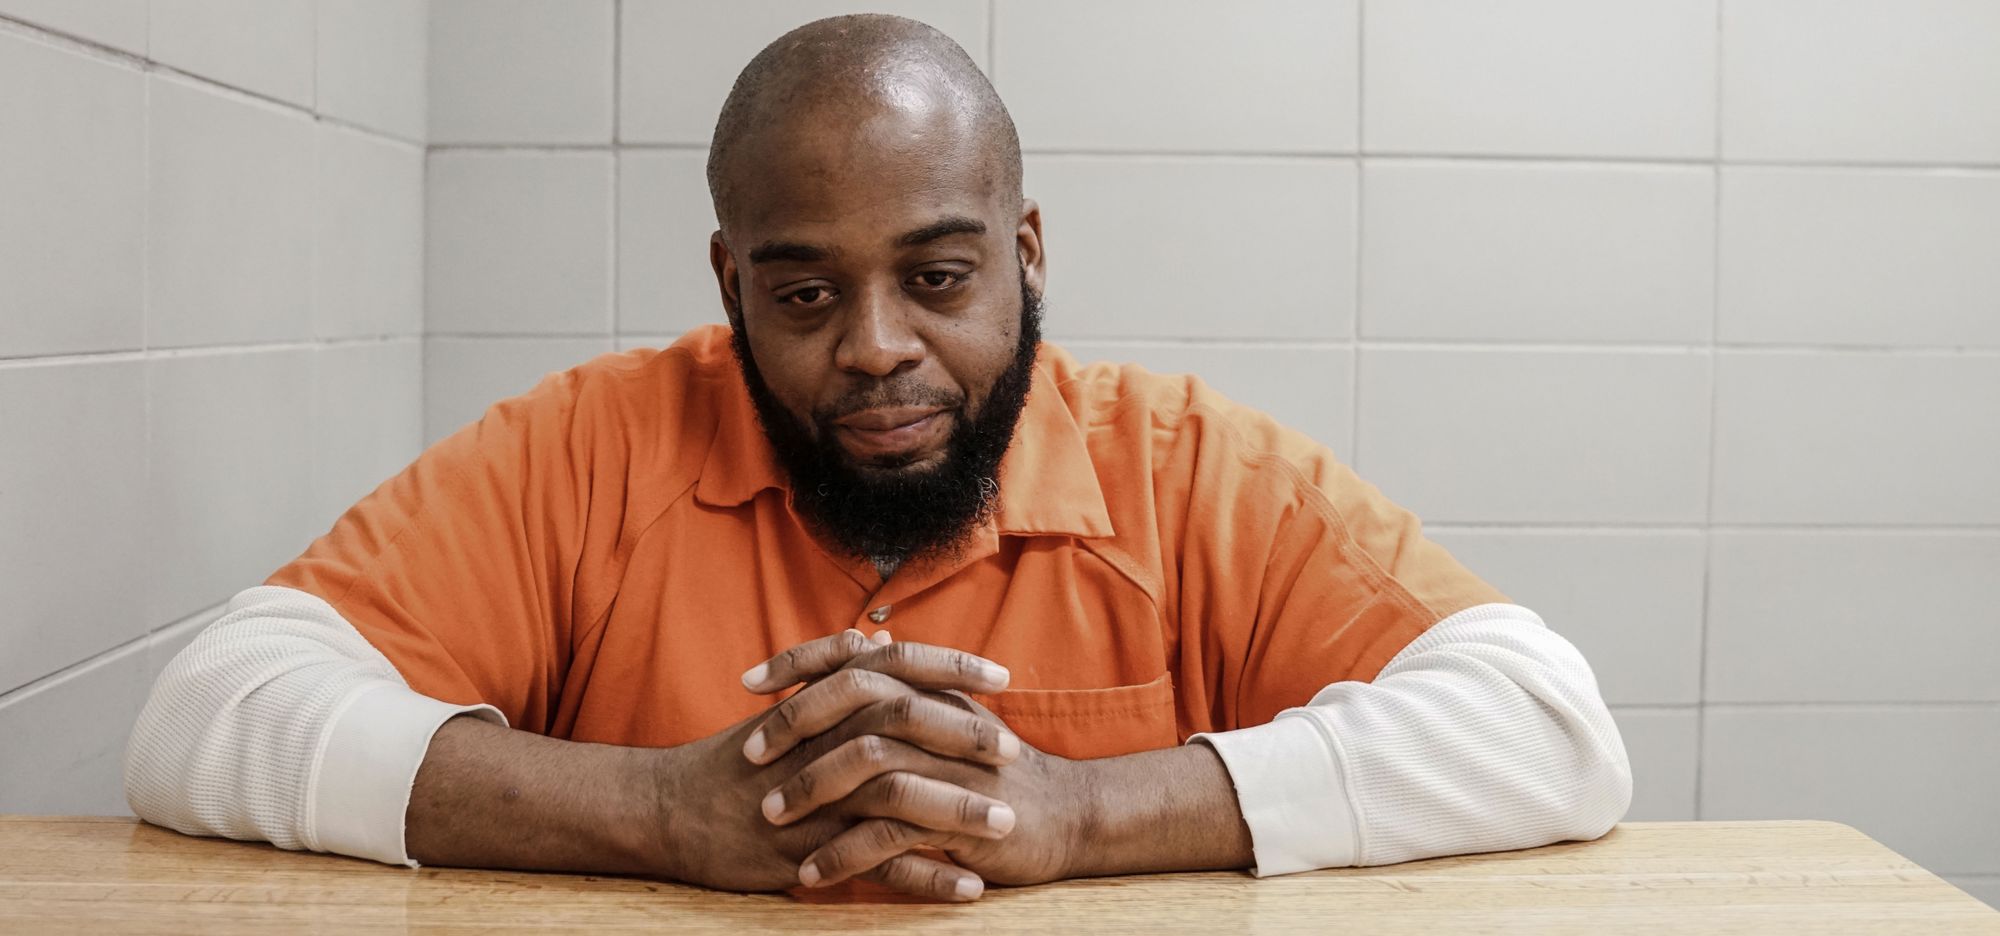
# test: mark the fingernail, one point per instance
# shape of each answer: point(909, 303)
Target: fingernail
point(1000, 818)
point(809, 874)
point(754, 748)
point(994, 675)
point(1010, 746)
point(968, 888)
point(774, 806)
point(880, 637)
point(756, 675)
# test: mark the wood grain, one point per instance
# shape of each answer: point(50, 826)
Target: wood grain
point(116, 876)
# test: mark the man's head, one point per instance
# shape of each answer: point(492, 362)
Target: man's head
point(882, 275)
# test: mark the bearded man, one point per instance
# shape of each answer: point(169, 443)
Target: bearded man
point(873, 583)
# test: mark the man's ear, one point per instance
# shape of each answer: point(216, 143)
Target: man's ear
point(1028, 244)
point(724, 263)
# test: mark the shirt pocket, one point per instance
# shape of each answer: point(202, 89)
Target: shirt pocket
point(1087, 723)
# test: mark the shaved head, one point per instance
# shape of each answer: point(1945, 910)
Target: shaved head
point(831, 75)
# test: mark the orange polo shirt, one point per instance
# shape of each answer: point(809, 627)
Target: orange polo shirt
point(602, 557)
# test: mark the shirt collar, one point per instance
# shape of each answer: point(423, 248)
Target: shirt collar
point(1048, 485)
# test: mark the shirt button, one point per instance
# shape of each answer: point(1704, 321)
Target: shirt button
point(879, 614)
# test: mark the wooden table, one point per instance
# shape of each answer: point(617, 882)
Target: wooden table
point(91, 875)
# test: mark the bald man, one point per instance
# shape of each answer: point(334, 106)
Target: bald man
point(872, 583)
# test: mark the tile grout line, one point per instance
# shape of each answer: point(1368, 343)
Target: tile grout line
point(1714, 396)
point(1360, 207)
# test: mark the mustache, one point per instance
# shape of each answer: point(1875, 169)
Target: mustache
point(887, 394)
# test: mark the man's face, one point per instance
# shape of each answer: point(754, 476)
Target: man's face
point(882, 291)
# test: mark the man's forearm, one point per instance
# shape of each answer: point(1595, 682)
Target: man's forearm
point(1156, 811)
point(492, 797)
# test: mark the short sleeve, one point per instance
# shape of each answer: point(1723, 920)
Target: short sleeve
point(460, 569)
point(1295, 572)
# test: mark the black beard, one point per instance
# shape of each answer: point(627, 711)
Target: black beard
point(894, 514)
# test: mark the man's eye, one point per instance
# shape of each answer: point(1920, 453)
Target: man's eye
point(937, 279)
point(811, 295)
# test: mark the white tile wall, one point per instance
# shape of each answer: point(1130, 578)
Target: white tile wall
point(521, 71)
point(76, 438)
point(463, 376)
point(678, 60)
point(368, 263)
point(1836, 616)
point(371, 62)
point(1851, 438)
point(151, 211)
point(1630, 600)
point(72, 178)
point(1498, 436)
point(1663, 745)
point(229, 492)
point(1874, 80)
point(261, 46)
point(1861, 256)
point(1537, 252)
point(367, 411)
point(1540, 77)
point(65, 737)
point(120, 24)
point(1180, 75)
point(1310, 389)
point(229, 218)
point(1917, 779)
point(665, 217)
point(1280, 233)
point(519, 243)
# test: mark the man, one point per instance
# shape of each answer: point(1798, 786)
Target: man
point(523, 651)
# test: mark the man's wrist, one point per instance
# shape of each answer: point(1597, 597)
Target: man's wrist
point(1166, 810)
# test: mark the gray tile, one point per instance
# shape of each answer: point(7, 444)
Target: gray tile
point(464, 376)
point(72, 235)
point(371, 64)
point(1856, 438)
point(665, 283)
point(677, 60)
point(1526, 252)
point(1631, 601)
point(518, 243)
point(1308, 389)
point(368, 413)
point(368, 259)
point(1860, 257)
point(1828, 616)
point(1662, 745)
point(229, 218)
point(520, 71)
point(1557, 77)
point(120, 24)
point(1984, 888)
point(229, 499)
point(264, 46)
point(1496, 436)
point(1917, 779)
point(1249, 76)
point(65, 738)
point(1914, 81)
point(72, 483)
point(1112, 226)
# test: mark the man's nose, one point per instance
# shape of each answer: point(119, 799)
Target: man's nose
point(878, 339)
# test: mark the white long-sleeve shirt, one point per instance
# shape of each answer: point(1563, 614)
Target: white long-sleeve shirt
point(281, 723)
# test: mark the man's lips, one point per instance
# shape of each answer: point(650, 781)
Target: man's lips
point(887, 418)
point(895, 430)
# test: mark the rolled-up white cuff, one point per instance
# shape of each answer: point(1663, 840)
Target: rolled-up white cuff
point(1293, 793)
point(360, 784)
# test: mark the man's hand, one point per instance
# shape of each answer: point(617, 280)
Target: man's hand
point(714, 794)
point(904, 747)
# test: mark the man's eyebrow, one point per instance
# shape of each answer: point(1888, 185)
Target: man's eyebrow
point(775, 251)
point(944, 227)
